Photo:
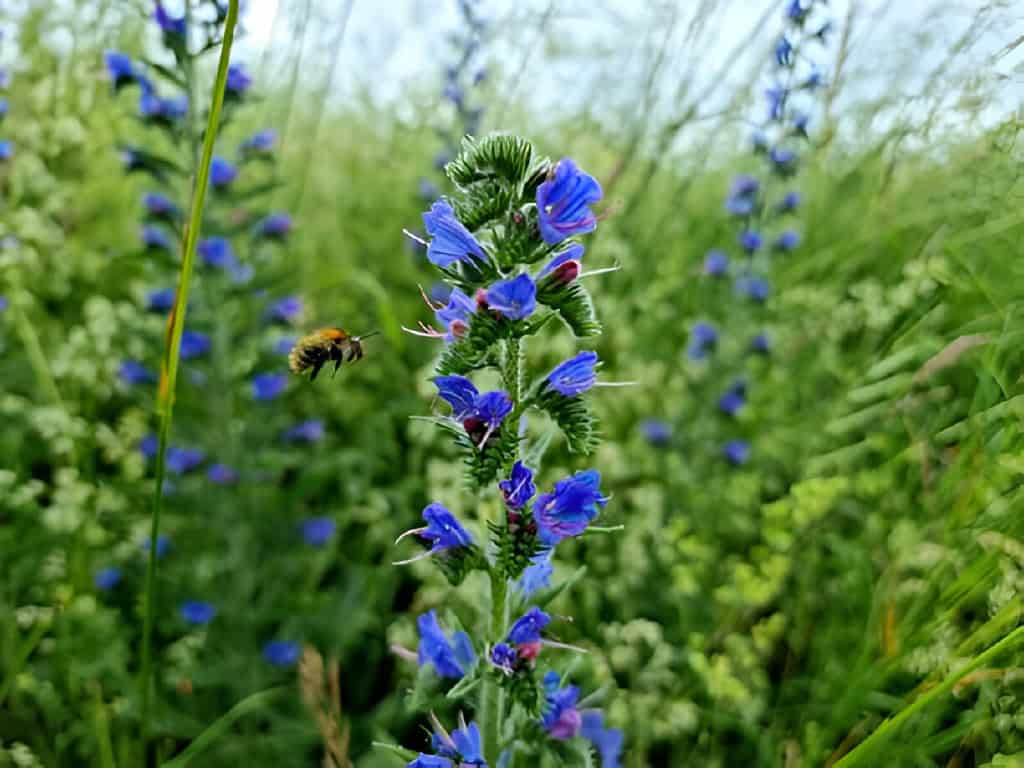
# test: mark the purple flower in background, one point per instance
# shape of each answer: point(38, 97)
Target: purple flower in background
point(607, 741)
point(800, 124)
point(537, 575)
point(813, 81)
point(222, 474)
point(784, 160)
point(217, 252)
point(528, 627)
point(276, 226)
point(736, 452)
point(519, 488)
point(703, 338)
point(570, 508)
point(575, 376)
point(317, 531)
point(311, 431)
point(716, 263)
point(259, 143)
point(153, 107)
point(450, 658)
point(515, 299)
point(238, 80)
point(283, 345)
point(107, 578)
point(194, 344)
point(268, 386)
point(758, 141)
point(197, 613)
point(149, 445)
point(790, 202)
point(787, 241)
point(796, 11)
point(753, 287)
point(750, 241)
point(564, 200)
point(160, 300)
point(742, 197)
point(154, 238)
point(427, 190)
point(3, 108)
point(561, 719)
point(733, 400)
point(450, 241)
point(776, 97)
point(657, 432)
point(159, 206)
point(6, 150)
point(784, 52)
point(133, 373)
point(285, 310)
point(167, 23)
point(222, 173)
point(183, 460)
point(281, 653)
point(163, 545)
point(120, 68)
point(761, 344)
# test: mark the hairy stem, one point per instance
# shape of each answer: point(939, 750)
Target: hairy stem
point(169, 367)
point(888, 729)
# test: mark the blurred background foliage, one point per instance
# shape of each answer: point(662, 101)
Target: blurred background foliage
point(771, 614)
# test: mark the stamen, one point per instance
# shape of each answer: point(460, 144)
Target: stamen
point(410, 533)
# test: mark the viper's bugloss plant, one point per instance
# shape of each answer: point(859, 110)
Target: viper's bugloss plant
point(506, 244)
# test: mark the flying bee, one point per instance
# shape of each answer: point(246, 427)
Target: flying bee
point(316, 349)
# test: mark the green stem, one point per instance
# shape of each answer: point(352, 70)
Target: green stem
point(492, 698)
point(169, 369)
point(888, 728)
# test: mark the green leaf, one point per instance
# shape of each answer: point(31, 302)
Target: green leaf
point(496, 156)
point(574, 306)
point(573, 416)
point(220, 726)
point(464, 686)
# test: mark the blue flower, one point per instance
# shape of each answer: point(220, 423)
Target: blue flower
point(736, 452)
point(776, 97)
point(317, 531)
point(222, 173)
point(563, 268)
point(561, 719)
point(133, 373)
point(427, 190)
point(783, 159)
point(783, 52)
point(154, 238)
point(460, 393)
point(456, 314)
point(479, 413)
point(732, 401)
point(268, 386)
point(758, 141)
point(276, 226)
point(468, 745)
point(568, 510)
point(607, 741)
point(3, 108)
point(441, 159)
point(6, 150)
point(283, 344)
point(575, 376)
point(3, 303)
point(450, 658)
point(515, 299)
point(761, 344)
point(703, 337)
point(153, 107)
point(742, 197)
point(813, 80)
point(564, 200)
point(453, 93)
point(183, 460)
point(787, 241)
point(107, 578)
point(216, 252)
point(503, 656)
point(537, 575)
point(281, 653)
point(159, 206)
point(311, 431)
point(450, 241)
point(528, 627)
point(800, 123)
point(197, 612)
point(796, 12)
point(753, 287)
point(441, 293)
point(160, 300)
point(790, 202)
point(194, 344)
point(656, 432)
point(238, 80)
point(750, 241)
point(148, 446)
point(492, 408)
point(716, 263)
point(518, 489)
point(443, 529)
point(429, 761)
point(260, 142)
point(169, 24)
point(222, 474)
point(285, 310)
point(163, 545)
point(120, 68)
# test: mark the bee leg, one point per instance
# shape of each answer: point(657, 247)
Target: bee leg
point(337, 365)
point(316, 370)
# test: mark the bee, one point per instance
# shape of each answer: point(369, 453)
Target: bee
point(316, 349)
